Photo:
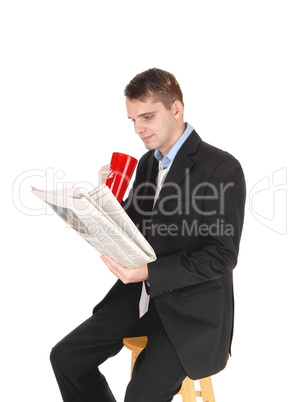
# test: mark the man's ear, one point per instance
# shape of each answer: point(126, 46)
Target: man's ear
point(177, 109)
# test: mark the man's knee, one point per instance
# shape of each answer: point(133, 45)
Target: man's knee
point(55, 355)
point(59, 355)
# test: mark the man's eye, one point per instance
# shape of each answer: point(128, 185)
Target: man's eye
point(132, 120)
point(148, 117)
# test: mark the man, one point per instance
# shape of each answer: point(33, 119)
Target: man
point(188, 200)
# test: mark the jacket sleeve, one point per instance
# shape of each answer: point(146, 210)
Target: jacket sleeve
point(216, 252)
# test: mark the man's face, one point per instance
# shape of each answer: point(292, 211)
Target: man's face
point(156, 126)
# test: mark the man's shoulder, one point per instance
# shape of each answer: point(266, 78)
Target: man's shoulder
point(195, 145)
point(211, 157)
point(213, 151)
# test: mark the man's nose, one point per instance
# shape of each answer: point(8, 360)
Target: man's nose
point(139, 128)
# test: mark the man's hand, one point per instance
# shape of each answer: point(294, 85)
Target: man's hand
point(103, 174)
point(138, 274)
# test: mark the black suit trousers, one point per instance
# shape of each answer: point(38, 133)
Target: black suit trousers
point(157, 374)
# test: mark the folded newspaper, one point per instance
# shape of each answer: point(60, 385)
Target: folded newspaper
point(99, 218)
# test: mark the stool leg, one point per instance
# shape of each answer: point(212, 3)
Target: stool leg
point(188, 390)
point(134, 356)
point(207, 389)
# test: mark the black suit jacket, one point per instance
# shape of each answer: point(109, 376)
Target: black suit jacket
point(194, 228)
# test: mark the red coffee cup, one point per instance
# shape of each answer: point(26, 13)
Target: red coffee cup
point(121, 170)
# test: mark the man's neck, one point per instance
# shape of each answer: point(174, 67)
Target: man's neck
point(180, 130)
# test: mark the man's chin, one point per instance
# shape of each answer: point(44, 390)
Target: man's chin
point(150, 147)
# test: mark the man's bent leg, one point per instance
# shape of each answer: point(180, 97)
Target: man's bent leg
point(75, 366)
point(157, 374)
point(75, 359)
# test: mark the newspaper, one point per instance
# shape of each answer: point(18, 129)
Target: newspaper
point(99, 218)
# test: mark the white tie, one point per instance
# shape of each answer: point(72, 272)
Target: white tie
point(162, 173)
point(144, 299)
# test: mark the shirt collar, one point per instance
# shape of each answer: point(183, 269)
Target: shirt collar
point(166, 160)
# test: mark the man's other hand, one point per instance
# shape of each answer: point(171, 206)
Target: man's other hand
point(138, 274)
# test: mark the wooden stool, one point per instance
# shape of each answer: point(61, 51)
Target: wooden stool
point(188, 392)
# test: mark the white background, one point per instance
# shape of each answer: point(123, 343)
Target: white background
point(64, 66)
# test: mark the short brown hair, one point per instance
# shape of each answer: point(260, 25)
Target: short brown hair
point(158, 84)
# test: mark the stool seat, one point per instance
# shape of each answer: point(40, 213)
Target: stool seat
point(188, 392)
point(136, 344)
